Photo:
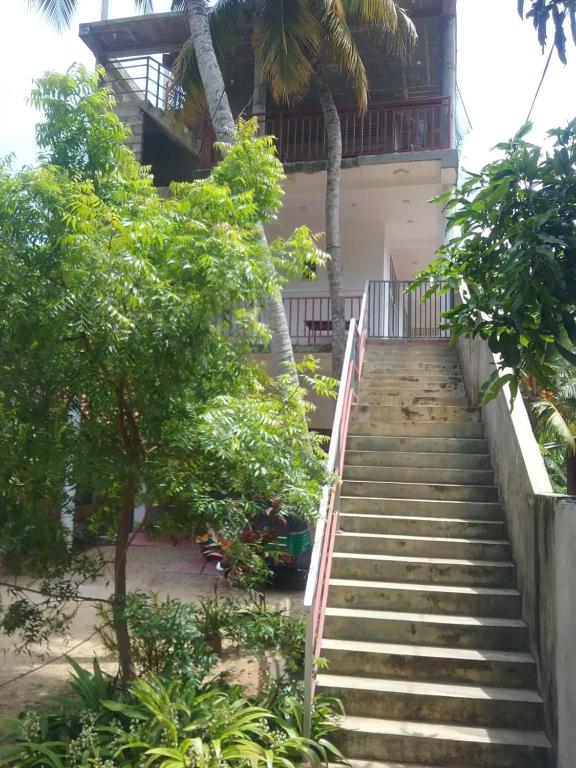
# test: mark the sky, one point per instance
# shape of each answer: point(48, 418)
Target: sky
point(499, 67)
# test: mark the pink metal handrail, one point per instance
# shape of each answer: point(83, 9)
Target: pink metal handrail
point(316, 594)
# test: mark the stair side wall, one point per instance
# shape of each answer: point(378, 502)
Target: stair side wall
point(543, 536)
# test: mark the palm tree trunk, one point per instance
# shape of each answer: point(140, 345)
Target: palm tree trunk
point(333, 248)
point(571, 474)
point(223, 124)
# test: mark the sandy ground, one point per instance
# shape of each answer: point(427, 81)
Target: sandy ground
point(160, 568)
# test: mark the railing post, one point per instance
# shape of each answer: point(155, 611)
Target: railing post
point(147, 78)
point(158, 76)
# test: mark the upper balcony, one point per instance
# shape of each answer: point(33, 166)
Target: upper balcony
point(389, 127)
point(410, 108)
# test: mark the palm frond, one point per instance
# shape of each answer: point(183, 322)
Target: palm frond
point(61, 12)
point(288, 34)
point(382, 12)
point(58, 12)
point(553, 425)
point(226, 18)
point(386, 21)
point(186, 99)
point(340, 48)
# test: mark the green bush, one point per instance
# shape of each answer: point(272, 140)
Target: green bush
point(166, 638)
point(164, 724)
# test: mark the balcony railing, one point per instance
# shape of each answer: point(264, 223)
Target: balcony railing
point(394, 312)
point(413, 125)
point(143, 78)
point(388, 127)
point(309, 316)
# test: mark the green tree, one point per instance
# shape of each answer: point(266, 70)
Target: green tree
point(60, 12)
point(561, 13)
point(293, 43)
point(110, 298)
point(513, 242)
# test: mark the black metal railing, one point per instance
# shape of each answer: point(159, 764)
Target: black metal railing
point(144, 78)
point(396, 312)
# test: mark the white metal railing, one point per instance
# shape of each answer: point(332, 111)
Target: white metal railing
point(316, 593)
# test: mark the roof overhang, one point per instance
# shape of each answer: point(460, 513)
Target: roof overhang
point(136, 35)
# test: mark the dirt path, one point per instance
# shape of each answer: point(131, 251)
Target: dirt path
point(161, 568)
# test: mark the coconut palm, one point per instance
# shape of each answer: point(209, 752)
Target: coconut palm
point(61, 12)
point(294, 64)
point(556, 412)
point(293, 41)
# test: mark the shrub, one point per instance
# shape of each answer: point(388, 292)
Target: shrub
point(166, 638)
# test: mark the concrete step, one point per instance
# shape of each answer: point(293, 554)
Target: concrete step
point(413, 413)
point(416, 474)
point(420, 382)
point(425, 598)
point(501, 669)
point(475, 461)
point(421, 546)
point(432, 570)
point(369, 427)
point(411, 490)
point(466, 705)
point(409, 347)
point(411, 354)
point(412, 367)
point(443, 746)
point(416, 444)
point(422, 386)
point(443, 527)
point(443, 630)
point(460, 510)
point(409, 400)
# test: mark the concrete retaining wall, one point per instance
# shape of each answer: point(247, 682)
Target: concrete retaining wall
point(542, 528)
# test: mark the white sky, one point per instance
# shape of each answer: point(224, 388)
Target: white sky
point(499, 67)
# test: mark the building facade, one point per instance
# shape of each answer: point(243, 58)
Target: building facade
point(397, 156)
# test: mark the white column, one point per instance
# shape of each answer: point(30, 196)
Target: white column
point(386, 303)
point(104, 11)
point(69, 504)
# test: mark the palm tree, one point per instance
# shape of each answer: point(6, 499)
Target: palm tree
point(334, 44)
point(293, 41)
point(556, 412)
point(61, 12)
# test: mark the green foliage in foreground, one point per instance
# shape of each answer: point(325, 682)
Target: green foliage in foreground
point(167, 724)
point(174, 639)
point(513, 242)
point(119, 372)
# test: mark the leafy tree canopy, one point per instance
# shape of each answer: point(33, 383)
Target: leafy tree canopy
point(119, 370)
point(561, 13)
point(513, 242)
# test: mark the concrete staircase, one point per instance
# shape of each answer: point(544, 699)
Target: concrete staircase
point(424, 634)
